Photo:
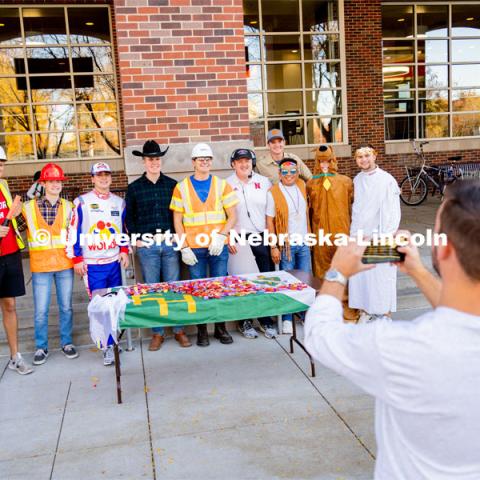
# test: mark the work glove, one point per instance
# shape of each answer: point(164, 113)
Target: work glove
point(188, 257)
point(217, 244)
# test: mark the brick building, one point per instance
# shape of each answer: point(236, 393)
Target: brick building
point(87, 80)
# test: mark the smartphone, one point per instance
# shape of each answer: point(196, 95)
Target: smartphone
point(382, 254)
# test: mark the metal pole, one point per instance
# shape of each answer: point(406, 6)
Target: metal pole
point(130, 346)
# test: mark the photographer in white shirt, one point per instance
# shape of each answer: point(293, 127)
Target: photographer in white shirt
point(424, 374)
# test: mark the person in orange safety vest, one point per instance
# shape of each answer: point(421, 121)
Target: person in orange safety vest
point(47, 221)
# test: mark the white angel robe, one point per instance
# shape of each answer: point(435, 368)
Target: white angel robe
point(376, 208)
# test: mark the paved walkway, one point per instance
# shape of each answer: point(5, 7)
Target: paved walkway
point(242, 411)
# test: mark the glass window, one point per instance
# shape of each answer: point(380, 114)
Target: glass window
point(294, 70)
point(319, 16)
point(44, 25)
point(10, 33)
point(432, 20)
point(466, 20)
point(280, 16)
point(57, 85)
point(432, 74)
point(397, 21)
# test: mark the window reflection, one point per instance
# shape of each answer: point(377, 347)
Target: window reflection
point(280, 16)
point(398, 51)
point(466, 100)
point(466, 50)
point(10, 59)
point(322, 75)
point(92, 59)
point(250, 16)
point(10, 27)
point(433, 126)
point(51, 145)
point(94, 88)
point(44, 26)
point(466, 20)
point(282, 47)
point(319, 16)
point(324, 130)
point(397, 21)
point(466, 75)
point(254, 77)
point(18, 147)
point(15, 118)
point(88, 25)
point(255, 105)
point(284, 76)
point(99, 143)
point(433, 76)
point(432, 51)
point(323, 102)
point(278, 103)
point(257, 133)
point(433, 101)
point(97, 115)
point(252, 48)
point(321, 47)
point(399, 128)
point(466, 125)
point(54, 117)
point(432, 20)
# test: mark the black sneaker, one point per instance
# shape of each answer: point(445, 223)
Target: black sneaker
point(69, 351)
point(40, 356)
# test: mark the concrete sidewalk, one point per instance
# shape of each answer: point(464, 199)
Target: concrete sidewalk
point(242, 411)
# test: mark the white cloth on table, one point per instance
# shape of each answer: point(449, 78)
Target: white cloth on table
point(104, 314)
point(424, 376)
point(376, 209)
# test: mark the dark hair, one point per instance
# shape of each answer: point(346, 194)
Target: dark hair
point(460, 221)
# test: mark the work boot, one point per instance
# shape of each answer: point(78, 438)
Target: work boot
point(222, 334)
point(202, 336)
point(182, 339)
point(156, 342)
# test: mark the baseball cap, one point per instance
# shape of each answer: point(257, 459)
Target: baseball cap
point(242, 153)
point(3, 155)
point(275, 133)
point(100, 167)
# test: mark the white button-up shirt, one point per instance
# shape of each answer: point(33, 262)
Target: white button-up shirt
point(425, 377)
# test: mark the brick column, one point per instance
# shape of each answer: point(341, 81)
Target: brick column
point(182, 70)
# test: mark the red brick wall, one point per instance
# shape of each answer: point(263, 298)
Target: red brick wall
point(182, 68)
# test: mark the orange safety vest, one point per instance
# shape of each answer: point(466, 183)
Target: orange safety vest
point(8, 197)
point(45, 242)
point(203, 217)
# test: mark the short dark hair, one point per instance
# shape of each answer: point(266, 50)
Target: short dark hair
point(460, 221)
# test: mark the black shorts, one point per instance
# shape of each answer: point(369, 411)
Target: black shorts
point(12, 283)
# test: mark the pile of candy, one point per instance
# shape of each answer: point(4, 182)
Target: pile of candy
point(212, 287)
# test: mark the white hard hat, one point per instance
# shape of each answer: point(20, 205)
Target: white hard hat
point(202, 150)
point(3, 155)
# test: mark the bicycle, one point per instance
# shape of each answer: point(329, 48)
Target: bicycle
point(414, 187)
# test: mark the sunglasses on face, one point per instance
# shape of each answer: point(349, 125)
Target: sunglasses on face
point(203, 159)
point(292, 171)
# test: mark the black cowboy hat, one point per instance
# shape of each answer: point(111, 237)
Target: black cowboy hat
point(150, 149)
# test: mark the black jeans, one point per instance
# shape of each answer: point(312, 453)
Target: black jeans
point(264, 264)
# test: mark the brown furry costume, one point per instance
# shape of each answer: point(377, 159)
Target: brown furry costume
point(330, 197)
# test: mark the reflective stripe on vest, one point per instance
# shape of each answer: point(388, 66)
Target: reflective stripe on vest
point(6, 193)
point(36, 243)
point(194, 217)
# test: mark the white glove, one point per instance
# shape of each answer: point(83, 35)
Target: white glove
point(188, 257)
point(217, 244)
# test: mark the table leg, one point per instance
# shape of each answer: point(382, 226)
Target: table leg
point(118, 372)
point(294, 338)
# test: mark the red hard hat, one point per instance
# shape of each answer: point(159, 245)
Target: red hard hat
point(51, 172)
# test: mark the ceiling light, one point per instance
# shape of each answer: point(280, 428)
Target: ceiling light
point(253, 22)
point(2, 24)
point(401, 20)
point(294, 51)
point(89, 24)
point(469, 19)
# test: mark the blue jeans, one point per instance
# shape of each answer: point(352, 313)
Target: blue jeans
point(218, 265)
point(300, 259)
point(42, 288)
point(160, 263)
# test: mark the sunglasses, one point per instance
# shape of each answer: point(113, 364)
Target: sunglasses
point(292, 171)
point(203, 159)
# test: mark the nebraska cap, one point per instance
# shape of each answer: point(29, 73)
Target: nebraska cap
point(100, 167)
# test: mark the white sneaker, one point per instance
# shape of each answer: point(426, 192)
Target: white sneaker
point(247, 329)
point(287, 327)
point(108, 357)
point(268, 331)
point(365, 318)
point(18, 364)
